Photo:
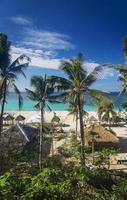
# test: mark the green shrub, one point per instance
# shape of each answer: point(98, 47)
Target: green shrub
point(12, 186)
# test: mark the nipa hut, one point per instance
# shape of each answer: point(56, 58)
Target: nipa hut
point(21, 138)
point(102, 138)
point(8, 119)
point(20, 118)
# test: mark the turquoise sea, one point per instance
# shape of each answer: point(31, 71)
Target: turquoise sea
point(28, 105)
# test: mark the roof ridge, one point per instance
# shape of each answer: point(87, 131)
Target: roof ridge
point(22, 131)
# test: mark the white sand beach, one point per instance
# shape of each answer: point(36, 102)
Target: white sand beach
point(67, 119)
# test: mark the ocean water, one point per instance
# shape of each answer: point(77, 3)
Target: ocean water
point(28, 105)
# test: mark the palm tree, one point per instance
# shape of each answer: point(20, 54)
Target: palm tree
point(105, 110)
point(76, 85)
point(42, 94)
point(9, 72)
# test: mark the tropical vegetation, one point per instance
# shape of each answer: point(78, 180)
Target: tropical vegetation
point(69, 174)
point(76, 85)
point(9, 72)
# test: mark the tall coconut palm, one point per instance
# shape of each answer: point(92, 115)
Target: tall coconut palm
point(42, 94)
point(77, 84)
point(9, 72)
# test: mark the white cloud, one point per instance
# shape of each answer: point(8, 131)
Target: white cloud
point(46, 40)
point(43, 47)
point(44, 59)
point(21, 20)
point(39, 58)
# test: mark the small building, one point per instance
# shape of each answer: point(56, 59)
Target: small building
point(102, 138)
point(20, 138)
point(8, 119)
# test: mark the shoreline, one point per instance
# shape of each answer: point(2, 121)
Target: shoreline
point(69, 121)
point(66, 118)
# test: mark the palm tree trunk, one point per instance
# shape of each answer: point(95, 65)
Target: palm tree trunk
point(52, 142)
point(1, 122)
point(2, 107)
point(109, 124)
point(76, 127)
point(93, 151)
point(40, 136)
point(81, 130)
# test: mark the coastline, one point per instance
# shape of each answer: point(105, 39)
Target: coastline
point(69, 122)
point(67, 119)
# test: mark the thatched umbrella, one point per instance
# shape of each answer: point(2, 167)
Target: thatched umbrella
point(55, 119)
point(20, 118)
point(93, 119)
point(103, 136)
point(8, 119)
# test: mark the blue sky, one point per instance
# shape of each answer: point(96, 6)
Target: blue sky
point(51, 30)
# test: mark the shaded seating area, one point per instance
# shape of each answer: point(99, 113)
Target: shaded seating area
point(55, 119)
point(20, 119)
point(20, 138)
point(102, 138)
point(8, 119)
point(91, 120)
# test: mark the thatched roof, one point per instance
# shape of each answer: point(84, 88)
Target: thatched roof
point(20, 118)
point(55, 118)
point(23, 138)
point(103, 135)
point(8, 117)
point(28, 132)
point(93, 119)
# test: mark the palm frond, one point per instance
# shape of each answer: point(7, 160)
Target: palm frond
point(91, 78)
point(17, 91)
point(18, 69)
point(38, 83)
point(49, 107)
point(97, 95)
point(59, 98)
point(19, 60)
point(37, 105)
point(32, 95)
point(59, 83)
point(1, 83)
point(121, 68)
point(11, 75)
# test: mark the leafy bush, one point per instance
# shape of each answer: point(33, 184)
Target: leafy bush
point(49, 184)
point(62, 182)
point(12, 186)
